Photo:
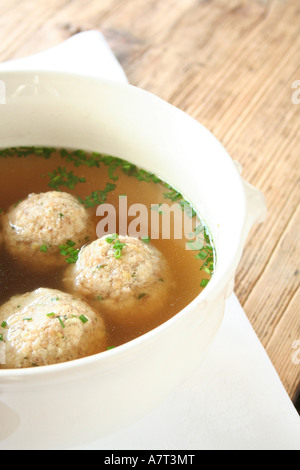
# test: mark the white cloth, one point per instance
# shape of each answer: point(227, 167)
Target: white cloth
point(235, 400)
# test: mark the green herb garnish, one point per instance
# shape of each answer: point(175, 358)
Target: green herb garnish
point(70, 252)
point(176, 196)
point(23, 152)
point(83, 319)
point(201, 255)
point(117, 245)
point(204, 282)
point(61, 177)
point(61, 322)
point(80, 157)
point(113, 163)
point(206, 251)
point(97, 197)
point(173, 195)
point(112, 238)
point(187, 208)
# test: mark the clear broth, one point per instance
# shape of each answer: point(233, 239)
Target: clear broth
point(25, 172)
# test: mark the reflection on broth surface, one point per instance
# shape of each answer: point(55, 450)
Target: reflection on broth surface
point(49, 200)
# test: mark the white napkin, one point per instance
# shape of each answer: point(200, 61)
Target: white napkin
point(235, 400)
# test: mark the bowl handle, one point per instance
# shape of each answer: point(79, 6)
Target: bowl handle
point(256, 214)
point(256, 206)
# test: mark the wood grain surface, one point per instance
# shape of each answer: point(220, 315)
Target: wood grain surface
point(231, 64)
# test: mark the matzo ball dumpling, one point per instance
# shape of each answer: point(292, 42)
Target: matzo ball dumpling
point(47, 327)
point(125, 276)
point(35, 228)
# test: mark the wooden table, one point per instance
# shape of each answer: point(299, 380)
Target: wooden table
point(230, 64)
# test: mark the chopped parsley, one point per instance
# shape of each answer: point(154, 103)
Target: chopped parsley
point(83, 319)
point(176, 196)
point(117, 245)
point(207, 255)
point(112, 238)
point(97, 197)
point(23, 152)
point(204, 282)
point(61, 322)
point(114, 163)
point(61, 177)
point(80, 157)
point(70, 252)
point(141, 296)
point(173, 195)
point(187, 208)
point(44, 248)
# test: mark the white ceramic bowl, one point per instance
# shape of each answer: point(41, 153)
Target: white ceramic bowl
point(72, 403)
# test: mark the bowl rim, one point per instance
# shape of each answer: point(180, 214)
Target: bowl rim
point(212, 290)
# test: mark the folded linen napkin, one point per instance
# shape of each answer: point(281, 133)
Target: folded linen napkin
point(235, 400)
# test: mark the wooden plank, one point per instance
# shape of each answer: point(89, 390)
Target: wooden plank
point(280, 276)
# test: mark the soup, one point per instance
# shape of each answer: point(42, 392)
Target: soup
point(131, 253)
